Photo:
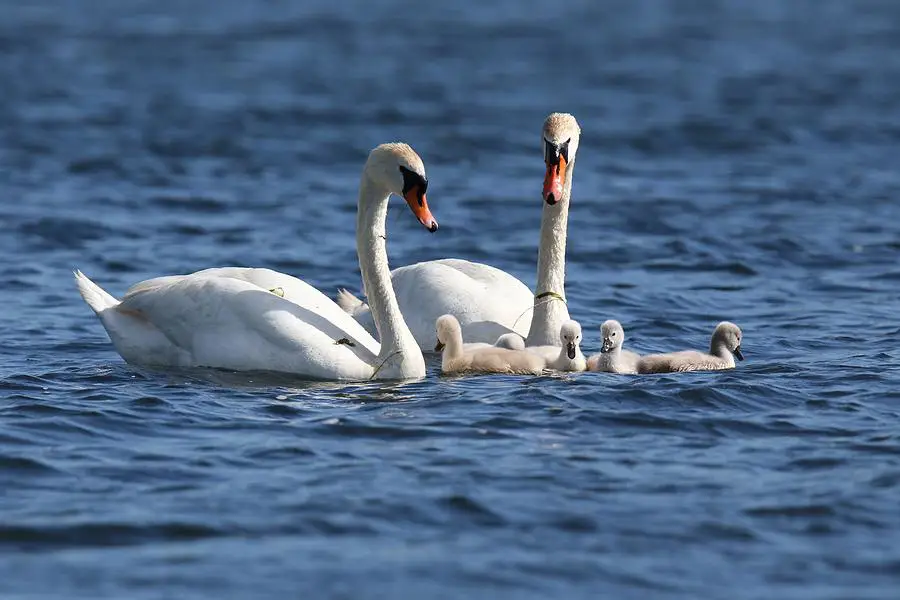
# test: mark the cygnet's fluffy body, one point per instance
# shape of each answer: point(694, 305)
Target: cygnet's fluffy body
point(723, 347)
point(510, 341)
point(568, 355)
point(612, 358)
point(491, 359)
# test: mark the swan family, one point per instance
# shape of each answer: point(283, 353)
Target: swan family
point(482, 319)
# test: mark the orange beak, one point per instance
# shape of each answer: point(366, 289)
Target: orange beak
point(553, 181)
point(418, 204)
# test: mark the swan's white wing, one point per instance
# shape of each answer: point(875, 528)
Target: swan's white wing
point(486, 275)
point(232, 323)
point(487, 301)
point(286, 286)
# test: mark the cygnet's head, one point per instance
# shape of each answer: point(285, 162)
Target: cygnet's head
point(447, 328)
point(570, 336)
point(729, 335)
point(510, 341)
point(613, 335)
point(560, 138)
point(397, 168)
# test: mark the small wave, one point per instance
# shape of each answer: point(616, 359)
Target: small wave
point(25, 465)
point(192, 203)
point(472, 510)
point(30, 538)
point(792, 510)
point(60, 232)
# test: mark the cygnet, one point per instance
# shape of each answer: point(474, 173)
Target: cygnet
point(491, 359)
point(723, 347)
point(568, 355)
point(510, 341)
point(612, 358)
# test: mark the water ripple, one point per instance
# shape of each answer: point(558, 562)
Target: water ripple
point(737, 161)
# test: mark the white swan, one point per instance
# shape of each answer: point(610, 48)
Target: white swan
point(612, 358)
point(457, 359)
point(487, 301)
point(568, 355)
point(257, 319)
point(723, 347)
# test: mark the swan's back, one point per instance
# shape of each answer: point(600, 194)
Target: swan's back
point(686, 360)
point(231, 323)
point(427, 290)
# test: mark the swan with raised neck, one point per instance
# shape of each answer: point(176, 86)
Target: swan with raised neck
point(257, 319)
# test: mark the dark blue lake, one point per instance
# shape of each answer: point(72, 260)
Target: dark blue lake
point(738, 160)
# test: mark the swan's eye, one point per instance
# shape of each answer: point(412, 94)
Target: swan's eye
point(412, 179)
point(613, 334)
point(564, 149)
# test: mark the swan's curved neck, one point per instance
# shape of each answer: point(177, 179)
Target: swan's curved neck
point(453, 349)
point(720, 349)
point(549, 310)
point(399, 356)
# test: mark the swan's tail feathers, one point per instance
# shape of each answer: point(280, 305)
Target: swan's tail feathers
point(349, 303)
point(95, 296)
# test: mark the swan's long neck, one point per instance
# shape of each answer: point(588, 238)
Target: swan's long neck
point(400, 356)
point(550, 310)
point(454, 348)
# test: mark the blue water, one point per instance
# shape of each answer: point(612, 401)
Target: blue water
point(738, 161)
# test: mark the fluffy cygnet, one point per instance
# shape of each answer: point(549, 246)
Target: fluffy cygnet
point(510, 341)
point(568, 356)
point(491, 359)
point(723, 347)
point(612, 358)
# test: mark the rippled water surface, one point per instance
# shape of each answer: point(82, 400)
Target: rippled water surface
point(738, 161)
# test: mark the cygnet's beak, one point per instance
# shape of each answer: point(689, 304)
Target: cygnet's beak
point(738, 353)
point(418, 204)
point(439, 346)
point(555, 175)
point(607, 345)
point(570, 350)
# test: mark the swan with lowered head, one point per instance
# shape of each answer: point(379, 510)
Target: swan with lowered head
point(456, 359)
point(569, 356)
point(489, 302)
point(723, 347)
point(612, 358)
point(257, 319)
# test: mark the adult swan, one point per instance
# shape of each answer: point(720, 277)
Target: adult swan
point(486, 301)
point(257, 319)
